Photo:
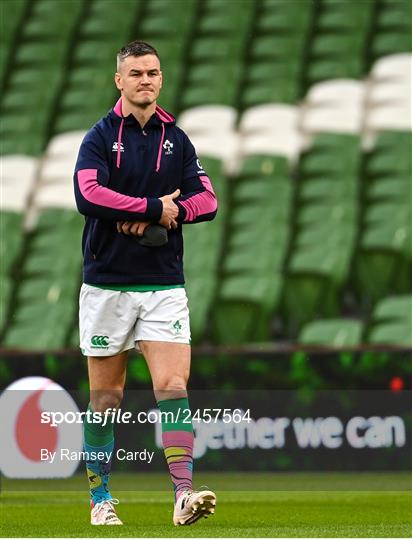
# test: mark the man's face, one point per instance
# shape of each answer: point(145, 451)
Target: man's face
point(140, 79)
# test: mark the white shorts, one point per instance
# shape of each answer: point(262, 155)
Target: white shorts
point(113, 321)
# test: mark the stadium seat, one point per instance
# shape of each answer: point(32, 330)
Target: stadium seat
point(212, 119)
point(332, 333)
point(394, 67)
point(223, 146)
point(334, 106)
point(271, 129)
point(332, 154)
point(388, 105)
point(391, 322)
point(245, 308)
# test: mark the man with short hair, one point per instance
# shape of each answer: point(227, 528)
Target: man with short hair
point(136, 173)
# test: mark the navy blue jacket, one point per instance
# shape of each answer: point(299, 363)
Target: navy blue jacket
point(121, 172)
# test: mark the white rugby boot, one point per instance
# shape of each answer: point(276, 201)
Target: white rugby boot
point(103, 513)
point(193, 505)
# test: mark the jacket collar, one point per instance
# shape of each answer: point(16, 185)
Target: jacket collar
point(158, 118)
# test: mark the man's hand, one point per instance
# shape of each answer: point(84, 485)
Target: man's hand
point(132, 228)
point(170, 210)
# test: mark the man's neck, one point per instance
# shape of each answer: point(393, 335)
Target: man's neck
point(142, 114)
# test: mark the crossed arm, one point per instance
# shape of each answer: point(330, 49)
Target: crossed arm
point(167, 219)
point(195, 201)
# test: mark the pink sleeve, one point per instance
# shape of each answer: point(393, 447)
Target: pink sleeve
point(94, 193)
point(201, 203)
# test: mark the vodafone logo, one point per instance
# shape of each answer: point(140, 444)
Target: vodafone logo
point(23, 435)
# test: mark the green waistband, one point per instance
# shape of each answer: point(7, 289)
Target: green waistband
point(137, 288)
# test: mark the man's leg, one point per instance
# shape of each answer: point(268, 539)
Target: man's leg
point(169, 366)
point(107, 378)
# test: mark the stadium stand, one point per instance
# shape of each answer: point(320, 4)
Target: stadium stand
point(50, 270)
point(254, 254)
point(325, 226)
point(216, 52)
point(384, 259)
point(275, 55)
point(8, 35)
point(13, 201)
point(35, 80)
point(171, 32)
point(339, 38)
point(89, 90)
point(392, 31)
point(203, 248)
point(300, 112)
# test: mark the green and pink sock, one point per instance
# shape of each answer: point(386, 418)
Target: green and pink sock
point(178, 439)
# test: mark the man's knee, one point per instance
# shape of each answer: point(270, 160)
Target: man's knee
point(171, 387)
point(173, 382)
point(101, 400)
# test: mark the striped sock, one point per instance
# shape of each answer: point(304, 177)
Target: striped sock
point(98, 438)
point(178, 438)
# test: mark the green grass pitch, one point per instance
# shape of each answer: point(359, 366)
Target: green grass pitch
point(249, 505)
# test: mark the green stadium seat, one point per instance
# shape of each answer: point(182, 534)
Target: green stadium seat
point(332, 333)
point(205, 73)
point(333, 45)
point(321, 70)
point(392, 321)
point(37, 53)
point(76, 120)
point(396, 189)
point(283, 16)
point(219, 93)
point(391, 43)
point(332, 154)
point(245, 308)
point(398, 17)
point(285, 91)
point(276, 47)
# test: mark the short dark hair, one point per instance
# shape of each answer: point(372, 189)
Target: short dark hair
point(135, 48)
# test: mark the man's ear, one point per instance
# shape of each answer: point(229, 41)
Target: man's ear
point(161, 79)
point(117, 80)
